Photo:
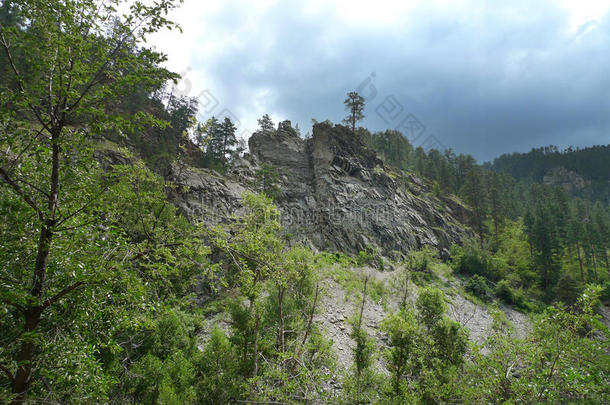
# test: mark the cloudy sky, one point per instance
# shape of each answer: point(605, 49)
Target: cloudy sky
point(481, 77)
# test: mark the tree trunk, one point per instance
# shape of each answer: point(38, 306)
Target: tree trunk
point(281, 331)
point(496, 230)
point(21, 382)
point(607, 264)
point(224, 149)
point(358, 369)
point(594, 262)
point(406, 290)
point(311, 315)
point(32, 313)
point(547, 275)
point(256, 327)
point(366, 280)
point(245, 350)
point(582, 273)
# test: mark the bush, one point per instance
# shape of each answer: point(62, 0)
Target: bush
point(218, 380)
point(155, 381)
point(504, 292)
point(370, 257)
point(420, 263)
point(420, 260)
point(479, 287)
point(512, 297)
point(165, 370)
point(471, 260)
point(451, 341)
point(431, 306)
point(436, 189)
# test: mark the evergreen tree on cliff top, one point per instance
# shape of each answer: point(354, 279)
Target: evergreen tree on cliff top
point(265, 123)
point(354, 104)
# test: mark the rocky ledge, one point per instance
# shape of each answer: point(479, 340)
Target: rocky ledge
point(336, 194)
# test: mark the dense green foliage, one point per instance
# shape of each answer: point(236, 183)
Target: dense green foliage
point(65, 258)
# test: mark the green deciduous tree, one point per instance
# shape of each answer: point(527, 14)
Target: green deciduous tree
point(251, 248)
point(560, 362)
point(404, 332)
point(70, 61)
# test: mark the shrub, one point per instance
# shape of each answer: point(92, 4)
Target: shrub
point(218, 379)
point(479, 287)
point(471, 260)
point(421, 260)
point(370, 257)
point(504, 292)
point(436, 189)
point(431, 306)
point(403, 333)
point(511, 296)
point(451, 341)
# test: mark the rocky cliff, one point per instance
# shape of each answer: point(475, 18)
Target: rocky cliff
point(570, 181)
point(336, 194)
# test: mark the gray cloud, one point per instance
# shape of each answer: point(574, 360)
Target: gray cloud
point(483, 79)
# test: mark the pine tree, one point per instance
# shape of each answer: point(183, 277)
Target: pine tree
point(475, 193)
point(354, 104)
point(605, 229)
point(199, 135)
point(601, 238)
point(544, 233)
point(496, 192)
point(544, 239)
point(266, 124)
point(213, 139)
point(229, 141)
point(576, 231)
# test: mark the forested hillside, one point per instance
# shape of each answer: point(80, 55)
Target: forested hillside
point(583, 172)
point(556, 223)
point(146, 258)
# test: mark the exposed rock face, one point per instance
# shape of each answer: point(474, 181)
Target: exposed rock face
point(336, 194)
point(560, 176)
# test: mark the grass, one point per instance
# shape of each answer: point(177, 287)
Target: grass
point(329, 259)
point(351, 280)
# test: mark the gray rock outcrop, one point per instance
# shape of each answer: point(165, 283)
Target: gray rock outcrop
point(336, 194)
